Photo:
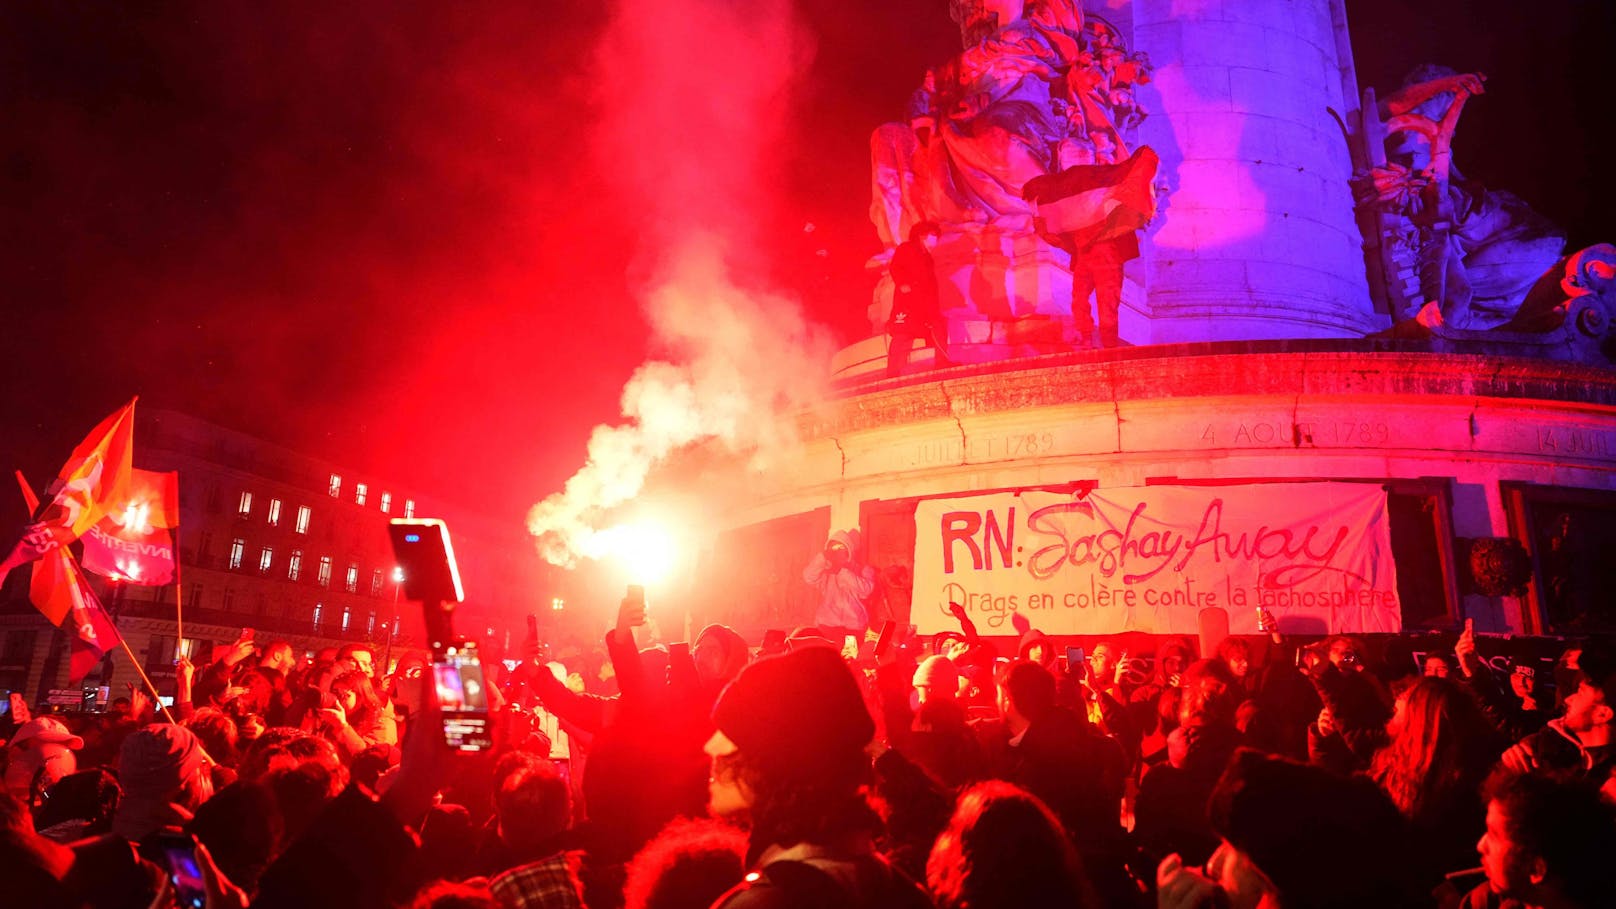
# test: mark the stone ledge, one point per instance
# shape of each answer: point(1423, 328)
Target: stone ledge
point(1312, 368)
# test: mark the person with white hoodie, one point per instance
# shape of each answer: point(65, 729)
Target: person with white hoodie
point(844, 584)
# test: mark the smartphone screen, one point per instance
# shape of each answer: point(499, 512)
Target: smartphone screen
point(461, 692)
point(179, 855)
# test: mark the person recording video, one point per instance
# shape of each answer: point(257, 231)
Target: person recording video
point(844, 584)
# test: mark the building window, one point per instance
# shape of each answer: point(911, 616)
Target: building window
point(274, 512)
point(387, 502)
point(370, 626)
point(346, 615)
point(244, 505)
point(303, 513)
point(238, 546)
point(376, 583)
point(194, 594)
point(336, 485)
point(318, 608)
point(266, 558)
point(351, 581)
point(229, 599)
point(324, 577)
point(359, 491)
point(409, 508)
point(294, 564)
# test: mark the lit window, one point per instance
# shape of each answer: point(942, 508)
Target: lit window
point(294, 564)
point(370, 626)
point(238, 547)
point(324, 578)
point(409, 508)
point(359, 491)
point(303, 513)
point(274, 512)
point(387, 502)
point(318, 608)
point(336, 485)
point(244, 506)
point(376, 582)
point(351, 581)
point(266, 558)
point(346, 615)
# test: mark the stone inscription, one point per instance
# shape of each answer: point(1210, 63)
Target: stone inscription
point(986, 448)
point(1308, 432)
point(1574, 442)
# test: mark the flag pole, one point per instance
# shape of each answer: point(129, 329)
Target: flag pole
point(157, 698)
point(179, 600)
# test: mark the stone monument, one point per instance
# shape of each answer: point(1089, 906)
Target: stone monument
point(1325, 320)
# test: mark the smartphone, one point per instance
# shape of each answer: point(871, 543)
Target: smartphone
point(5, 701)
point(1076, 659)
point(426, 556)
point(884, 642)
point(532, 627)
point(463, 696)
point(178, 852)
point(636, 593)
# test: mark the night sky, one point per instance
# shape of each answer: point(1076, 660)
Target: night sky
point(375, 232)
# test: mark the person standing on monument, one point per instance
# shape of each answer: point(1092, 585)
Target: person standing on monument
point(916, 311)
point(843, 584)
point(1093, 210)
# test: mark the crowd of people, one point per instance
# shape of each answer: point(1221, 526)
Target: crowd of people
point(822, 771)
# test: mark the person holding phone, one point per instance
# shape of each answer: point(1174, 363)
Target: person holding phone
point(844, 585)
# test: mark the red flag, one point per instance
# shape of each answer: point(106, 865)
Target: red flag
point(95, 476)
point(60, 591)
point(1093, 202)
point(133, 543)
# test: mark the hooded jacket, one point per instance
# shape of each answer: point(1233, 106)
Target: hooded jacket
point(1556, 748)
point(842, 591)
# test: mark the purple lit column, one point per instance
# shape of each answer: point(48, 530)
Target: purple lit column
point(1255, 237)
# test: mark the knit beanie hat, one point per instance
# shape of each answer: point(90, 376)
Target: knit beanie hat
point(789, 711)
point(1324, 840)
point(939, 674)
point(158, 759)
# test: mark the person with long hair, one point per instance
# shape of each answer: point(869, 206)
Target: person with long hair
point(354, 719)
point(1004, 848)
point(1440, 751)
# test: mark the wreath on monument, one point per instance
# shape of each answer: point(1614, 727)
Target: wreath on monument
point(1499, 566)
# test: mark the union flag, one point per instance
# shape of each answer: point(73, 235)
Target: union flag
point(59, 591)
point(135, 543)
point(95, 476)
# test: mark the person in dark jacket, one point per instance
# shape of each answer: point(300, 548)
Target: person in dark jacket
point(1170, 812)
point(788, 758)
point(916, 310)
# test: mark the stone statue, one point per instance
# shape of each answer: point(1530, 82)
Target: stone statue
point(1036, 90)
point(1475, 251)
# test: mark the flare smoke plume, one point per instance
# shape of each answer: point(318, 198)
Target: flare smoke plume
point(693, 97)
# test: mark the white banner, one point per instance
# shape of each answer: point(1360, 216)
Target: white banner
point(1150, 558)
